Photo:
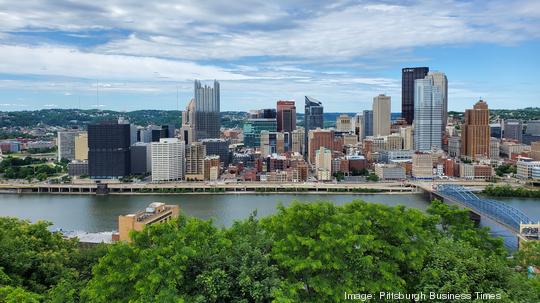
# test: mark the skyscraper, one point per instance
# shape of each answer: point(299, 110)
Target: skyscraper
point(440, 80)
point(109, 150)
point(313, 117)
point(207, 111)
point(408, 75)
point(168, 159)
point(427, 115)
point(475, 132)
point(381, 115)
point(66, 144)
point(513, 130)
point(194, 164)
point(368, 123)
point(286, 116)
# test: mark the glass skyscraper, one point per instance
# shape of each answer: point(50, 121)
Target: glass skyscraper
point(408, 76)
point(207, 111)
point(368, 123)
point(313, 116)
point(427, 115)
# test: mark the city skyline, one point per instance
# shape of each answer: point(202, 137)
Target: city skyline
point(58, 54)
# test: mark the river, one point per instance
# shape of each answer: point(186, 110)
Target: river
point(100, 213)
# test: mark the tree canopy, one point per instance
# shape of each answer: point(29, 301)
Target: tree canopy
point(307, 252)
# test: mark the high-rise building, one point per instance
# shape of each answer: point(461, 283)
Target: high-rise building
point(188, 121)
point(440, 80)
point(408, 76)
point(66, 144)
point(273, 142)
point(358, 125)
point(406, 133)
point(195, 154)
point(344, 123)
point(211, 168)
point(286, 116)
point(109, 150)
point(297, 141)
point(253, 128)
point(381, 115)
point(475, 132)
point(207, 111)
point(368, 123)
point(495, 130)
point(141, 158)
point(168, 159)
point(428, 115)
point(313, 116)
point(218, 147)
point(323, 163)
point(317, 138)
point(513, 130)
point(494, 148)
point(81, 146)
point(422, 165)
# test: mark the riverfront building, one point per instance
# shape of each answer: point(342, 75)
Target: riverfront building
point(109, 150)
point(66, 144)
point(156, 212)
point(195, 154)
point(81, 146)
point(168, 160)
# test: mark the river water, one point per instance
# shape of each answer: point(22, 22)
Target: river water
point(100, 213)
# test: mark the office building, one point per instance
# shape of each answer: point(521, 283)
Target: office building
point(297, 141)
point(381, 115)
point(81, 146)
point(535, 151)
point(211, 168)
point(168, 160)
point(313, 117)
point(428, 115)
point(141, 158)
point(533, 128)
point(440, 80)
point(495, 130)
point(368, 123)
point(525, 167)
point(406, 133)
point(286, 116)
point(194, 167)
point(422, 165)
point(66, 144)
point(454, 146)
point(77, 168)
point(475, 132)
point(513, 130)
point(253, 128)
point(408, 76)
point(273, 143)
point(156, 212)
point(494, 148)
point(109, 150)
point(218, 147)
point(390, 172)
point(323, 164)
point(188, 122)
point(319, 138)
point(344, 123)
point(207, 111)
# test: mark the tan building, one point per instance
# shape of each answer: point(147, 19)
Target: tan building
point(394, 142)
point(344, 123)
point(323, 164)
point(195, 154)
point(381, 115)
point(475, 135)
point(81, 146)
point(317, 138)
point(535, 151)
point(494, 148)
point(272, 143)
point(211, 168)
point(350, 139)
point(422, 165)
point(407, 134)
point(156, 212)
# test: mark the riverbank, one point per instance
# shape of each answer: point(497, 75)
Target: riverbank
point(506, 191)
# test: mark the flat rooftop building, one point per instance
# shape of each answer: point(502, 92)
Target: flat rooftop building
point(156, 212)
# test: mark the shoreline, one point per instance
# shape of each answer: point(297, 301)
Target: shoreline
point(215, 193)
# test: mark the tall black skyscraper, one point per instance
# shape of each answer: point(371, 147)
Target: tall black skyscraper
point(109, 150)
point(313, 117)
point(207, 111)
point(408, 75)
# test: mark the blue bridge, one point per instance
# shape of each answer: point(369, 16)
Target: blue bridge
point(502, 213)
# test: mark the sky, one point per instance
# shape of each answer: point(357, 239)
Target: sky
point(128, 54)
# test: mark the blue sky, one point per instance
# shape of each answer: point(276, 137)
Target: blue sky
point(139, 53)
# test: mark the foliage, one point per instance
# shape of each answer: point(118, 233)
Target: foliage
point(504, 169)
point(307, 252)
point(339, 175)
point(507, 191)
point(42, 150)
point(29, 168)
point(372, 177)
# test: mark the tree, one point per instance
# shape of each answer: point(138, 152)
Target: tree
point(372, 177)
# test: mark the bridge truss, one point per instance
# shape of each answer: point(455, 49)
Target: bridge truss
point(501, 212)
